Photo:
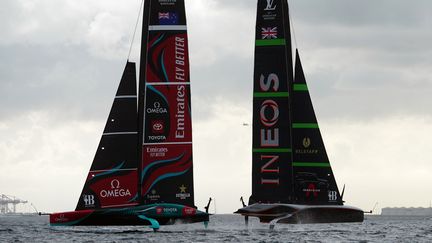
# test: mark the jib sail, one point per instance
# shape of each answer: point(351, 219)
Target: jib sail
point(113, 177)
point(313, 177)
point(166, 171)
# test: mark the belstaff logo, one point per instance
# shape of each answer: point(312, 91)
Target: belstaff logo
point(270, 6)
point(306, 142)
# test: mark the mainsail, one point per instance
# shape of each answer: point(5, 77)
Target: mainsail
point(166, 169)
point(271, 155)
point(113, 177)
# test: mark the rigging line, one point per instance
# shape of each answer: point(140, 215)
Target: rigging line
point(292, 27)
point(136, 26)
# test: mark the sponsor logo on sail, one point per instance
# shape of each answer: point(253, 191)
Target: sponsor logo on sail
point(180, 113)
point(153, 196)
point(311, 190)
point(269, 33)
point(115, 191)
point(183, 194)
point(156, 151)
point(168, 18)
point(306, 142)
point(270, 5)
point(270, 8)
point(89, 200)
point(180, 59)
point(180, 76)
point(157, 138)
point(157, 109)
point(167, 2)
point(158, 126)
point(332, 196)
point(269, 131)
point(269, 113)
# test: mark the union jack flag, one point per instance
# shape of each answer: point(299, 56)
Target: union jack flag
point(269, 33)
point(164, 15)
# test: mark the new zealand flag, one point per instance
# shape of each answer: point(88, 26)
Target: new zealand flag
point(168, 18)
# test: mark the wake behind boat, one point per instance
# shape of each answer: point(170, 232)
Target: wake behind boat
point(292, 180)
point(142, 173)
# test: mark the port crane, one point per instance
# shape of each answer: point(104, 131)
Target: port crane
point(8, 203)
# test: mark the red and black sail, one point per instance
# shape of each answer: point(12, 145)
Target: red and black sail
point(272, 158)
point(113, 177)
point(166, 171)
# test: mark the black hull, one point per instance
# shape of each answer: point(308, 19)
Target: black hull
point(303, 214)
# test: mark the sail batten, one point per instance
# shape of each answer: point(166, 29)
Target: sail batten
point(167, 27)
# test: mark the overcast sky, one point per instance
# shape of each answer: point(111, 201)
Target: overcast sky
point(368, 65)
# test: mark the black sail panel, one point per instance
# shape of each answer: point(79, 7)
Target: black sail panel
point(313, 177)
point(271, 154)
point(113, 177)
point(166, 174)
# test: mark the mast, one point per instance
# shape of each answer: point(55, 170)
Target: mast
point(290, 76)
point(141, 85)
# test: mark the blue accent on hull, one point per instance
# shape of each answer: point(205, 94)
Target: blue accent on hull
point(154, 224)
point(153, 215)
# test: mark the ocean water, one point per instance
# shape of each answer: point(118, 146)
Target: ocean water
point(222, 228)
